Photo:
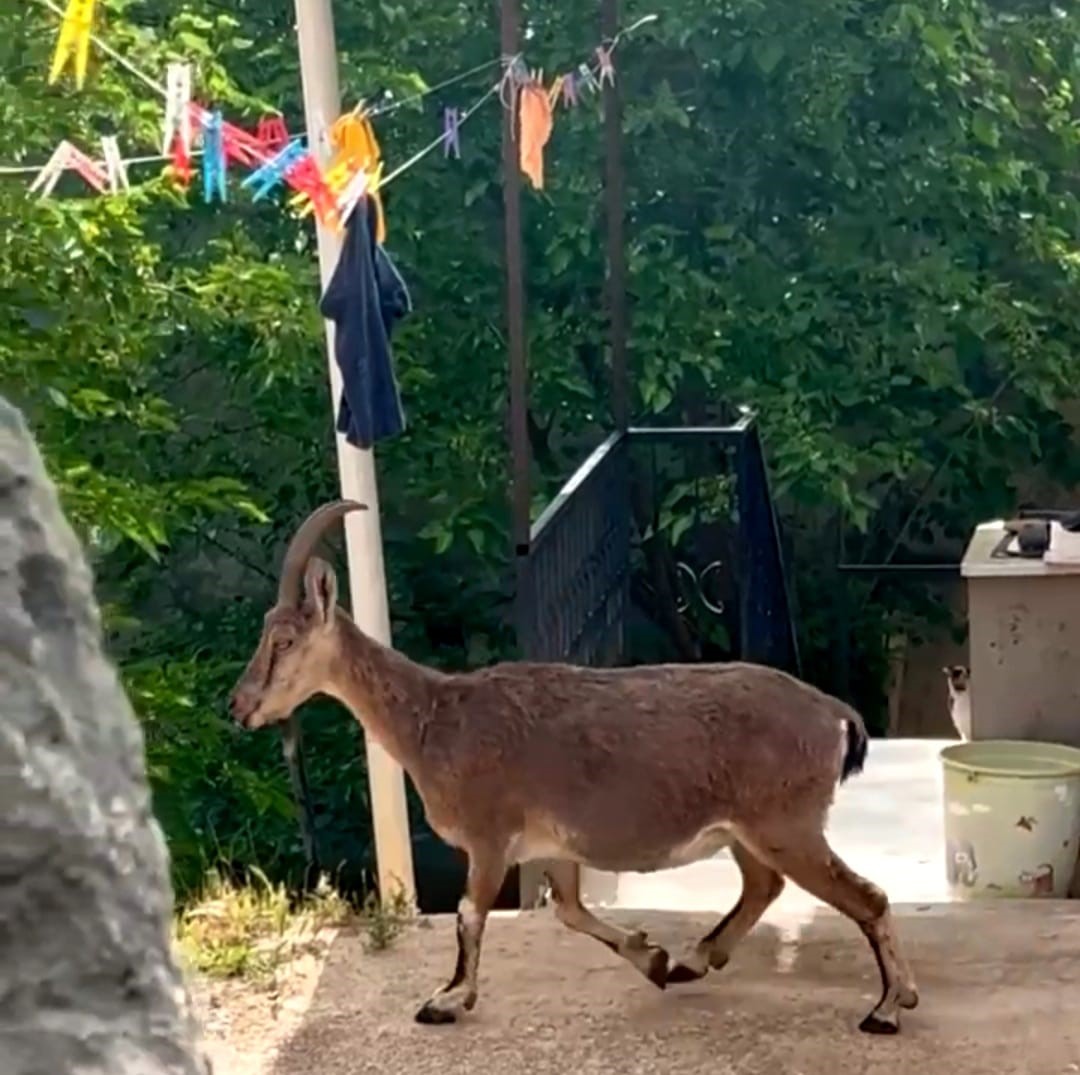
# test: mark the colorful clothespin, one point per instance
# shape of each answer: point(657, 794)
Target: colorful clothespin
point(66, 156)
point(180, 161)
point(452, 133)
point(314, 194)
point(360, 185)
point(569, 90)
point(213, 161)
point(607, 65)
point(272, 133)
point(74, 40)
point(515, 75)
point(270, 174)
point(115, 169)
point(353, 140)
point(177, 106)
point(586, 79)
point(241, 147)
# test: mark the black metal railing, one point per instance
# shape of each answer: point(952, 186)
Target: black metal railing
point(573, 583)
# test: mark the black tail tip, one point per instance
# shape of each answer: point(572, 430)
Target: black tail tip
point(855, 755)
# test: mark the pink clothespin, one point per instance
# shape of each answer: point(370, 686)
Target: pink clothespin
point(177, 106)
point(242, 147)
point(115, 169)
point(569, 90)
point(66, 156)
point(607, 65)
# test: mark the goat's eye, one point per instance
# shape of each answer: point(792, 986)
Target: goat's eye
point(282, 644)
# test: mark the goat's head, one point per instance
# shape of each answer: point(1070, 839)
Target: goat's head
point(299, 639)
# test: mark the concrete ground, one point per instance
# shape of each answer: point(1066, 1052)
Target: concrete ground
point(999, 982)
point(1000, 987)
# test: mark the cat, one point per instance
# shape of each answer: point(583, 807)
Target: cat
point(958, 679)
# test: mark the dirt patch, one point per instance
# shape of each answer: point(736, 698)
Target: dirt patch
point(246, 1022)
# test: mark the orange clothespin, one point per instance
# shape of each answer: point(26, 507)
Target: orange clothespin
point(353, 139)
point(74, 41)
point(357, 149)
point(66, 156)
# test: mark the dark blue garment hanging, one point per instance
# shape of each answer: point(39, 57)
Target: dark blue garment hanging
point(366, 296)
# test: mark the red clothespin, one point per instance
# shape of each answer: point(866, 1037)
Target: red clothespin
point(180, 163)
point(272, 133)
point(304, 176)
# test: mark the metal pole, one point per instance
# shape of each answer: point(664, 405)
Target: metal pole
point(615, 198)
point(363, 536)
point(515, 300)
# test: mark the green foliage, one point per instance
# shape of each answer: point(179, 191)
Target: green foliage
point(859, 218)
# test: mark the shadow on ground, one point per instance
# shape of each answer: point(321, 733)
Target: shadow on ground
point(1000, 986)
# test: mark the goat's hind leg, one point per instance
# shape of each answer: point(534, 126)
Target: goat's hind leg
point(650, 959)
point(814, 866)
point(761, 884)
point(486, 875)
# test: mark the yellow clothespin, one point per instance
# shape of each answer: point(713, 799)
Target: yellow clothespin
point(556, 89)
point(74, 41)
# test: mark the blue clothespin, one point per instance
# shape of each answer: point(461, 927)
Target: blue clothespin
point(213, 162)
point(452, 133)
point(269, 175)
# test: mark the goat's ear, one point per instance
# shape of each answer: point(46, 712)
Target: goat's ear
point(320, 589)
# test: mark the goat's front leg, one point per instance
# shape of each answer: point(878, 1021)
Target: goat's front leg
point(650, 959)
point(486, 874)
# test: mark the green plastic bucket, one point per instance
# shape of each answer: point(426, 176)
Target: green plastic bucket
point(1012, 818)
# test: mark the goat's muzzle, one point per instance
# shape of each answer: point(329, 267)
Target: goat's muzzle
point(242, 706)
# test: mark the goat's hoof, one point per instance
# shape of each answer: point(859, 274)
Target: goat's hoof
point(680, 974)
point(657, 968)
point(875, 1024)
point(430, 1015)
point(908, 999)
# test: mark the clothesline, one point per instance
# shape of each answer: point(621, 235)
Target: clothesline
point(513, 67)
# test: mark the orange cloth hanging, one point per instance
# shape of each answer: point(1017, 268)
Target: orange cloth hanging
point(534, 130)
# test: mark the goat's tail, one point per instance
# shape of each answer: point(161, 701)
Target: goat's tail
point(857, 742)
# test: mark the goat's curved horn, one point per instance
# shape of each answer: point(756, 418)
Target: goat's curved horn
point(303, 544)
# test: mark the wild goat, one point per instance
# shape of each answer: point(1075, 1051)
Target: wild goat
point(635, 769)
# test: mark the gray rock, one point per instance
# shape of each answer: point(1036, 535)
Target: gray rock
point(87, 980)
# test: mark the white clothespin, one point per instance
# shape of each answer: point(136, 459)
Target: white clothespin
point(115, 169)
point(50, 174)
point(353, 191)
point(177, 99)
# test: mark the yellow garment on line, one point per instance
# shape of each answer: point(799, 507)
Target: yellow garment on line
point(534, 130)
